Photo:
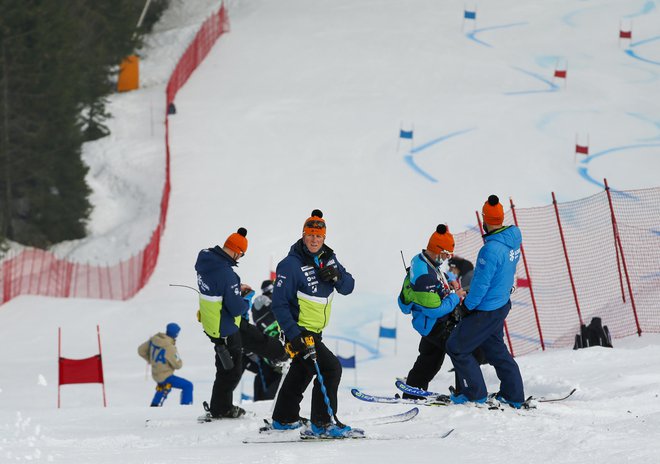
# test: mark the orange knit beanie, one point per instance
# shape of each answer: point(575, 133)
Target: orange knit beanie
point(315, 224)
point(441, 240)
point(237, 242)
point(493, 211)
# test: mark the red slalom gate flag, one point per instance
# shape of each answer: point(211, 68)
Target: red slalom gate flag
point(72, 371)
point(625, 34)
point(582, 149)
point(560, 73)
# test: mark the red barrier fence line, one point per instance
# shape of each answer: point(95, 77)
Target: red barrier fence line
point(529, 279)
point(584, 228)
point(568, 261)
point(58, 277)
point(623, 258)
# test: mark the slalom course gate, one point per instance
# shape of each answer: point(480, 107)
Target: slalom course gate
point(610, 242)
point(72, 371)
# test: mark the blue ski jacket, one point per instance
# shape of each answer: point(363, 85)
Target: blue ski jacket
point(301, 300)
point(221, 305)
point(425, 294)
point(495, 270)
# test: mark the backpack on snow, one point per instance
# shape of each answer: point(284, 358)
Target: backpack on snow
point(595, 334)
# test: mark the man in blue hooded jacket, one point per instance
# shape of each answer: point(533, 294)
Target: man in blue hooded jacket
point(487, 305)
point(302, 301)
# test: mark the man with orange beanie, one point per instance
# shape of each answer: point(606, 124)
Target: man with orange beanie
point(428, 295)
point(302, 301)
point(223, 300)
point(487, 306)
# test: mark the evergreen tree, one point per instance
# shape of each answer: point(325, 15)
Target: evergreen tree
point(57, 68)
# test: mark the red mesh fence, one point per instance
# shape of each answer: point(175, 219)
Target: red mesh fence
point(607, 266)
point(598, 256)
point(39, 272)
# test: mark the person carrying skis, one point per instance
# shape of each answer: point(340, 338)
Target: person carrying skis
point(302, 300)
point(430, 297)
point(268, 371)
point(264, 354)
point(262, 316)
point(160, 351)
point(486, 308)
point(223, 301)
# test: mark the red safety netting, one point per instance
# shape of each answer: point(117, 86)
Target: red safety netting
point(39, 272)
point(583, 259)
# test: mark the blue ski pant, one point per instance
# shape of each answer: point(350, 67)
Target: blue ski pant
point(162, 390)
point(485, 330)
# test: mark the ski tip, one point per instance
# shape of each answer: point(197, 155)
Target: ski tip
point(572, 391)
point(446, 434)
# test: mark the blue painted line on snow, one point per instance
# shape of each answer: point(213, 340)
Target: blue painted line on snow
point(590, 158)
point(584, 171)
point(645, 118)
point(646, 9)
point(655, 275)
point(473, 35)
point(553, 87)
point(645, 41)
point(374, 354)
point(534, 340)
point(568, 18)
point(632, 53)
point(411, 162)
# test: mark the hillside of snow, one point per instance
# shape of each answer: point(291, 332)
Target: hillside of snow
point(300, 107)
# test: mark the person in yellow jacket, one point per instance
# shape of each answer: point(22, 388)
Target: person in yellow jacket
point(160, 351)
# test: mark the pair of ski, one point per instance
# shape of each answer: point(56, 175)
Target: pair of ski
point(428, 398)
point(268, 435)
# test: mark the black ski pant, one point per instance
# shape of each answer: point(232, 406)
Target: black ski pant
point(257, 342)
point(301, 373)
point(226, 380)
point(431, 356)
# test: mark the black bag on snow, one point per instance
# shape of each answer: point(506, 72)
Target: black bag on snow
point(595, 334)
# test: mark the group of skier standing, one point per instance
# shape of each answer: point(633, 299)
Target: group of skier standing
point(466, 326)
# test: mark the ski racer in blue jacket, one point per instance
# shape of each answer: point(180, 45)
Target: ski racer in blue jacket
point(486, 306)
point(430, 296)
point(302, 302)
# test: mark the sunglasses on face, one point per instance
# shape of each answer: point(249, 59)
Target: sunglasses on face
point(314, 224)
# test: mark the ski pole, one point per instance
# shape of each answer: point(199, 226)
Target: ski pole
point(185, 286)
point(285, 371)
point(311, 352)
point(319, 377)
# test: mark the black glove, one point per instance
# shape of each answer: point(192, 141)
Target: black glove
point(304, 346)
point(329, 274)
point(460, 312)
